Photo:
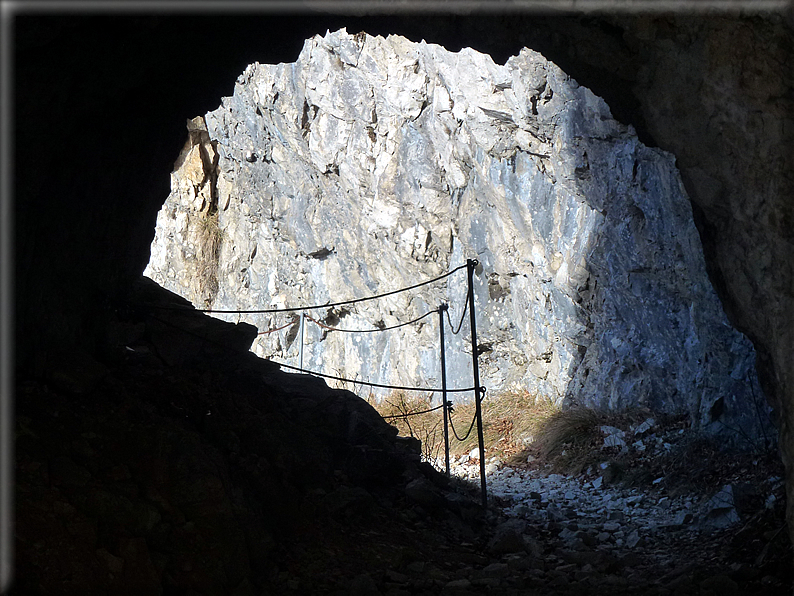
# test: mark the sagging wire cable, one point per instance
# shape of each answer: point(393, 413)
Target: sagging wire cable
point(318, 306)
point(318, 374)
point(368, 384)
point(473, 420)
point(406, 415)
point(454, 432)
point(324, 326)
point(277, 328)
point(462, 317)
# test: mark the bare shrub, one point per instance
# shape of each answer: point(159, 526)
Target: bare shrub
point(409, 415)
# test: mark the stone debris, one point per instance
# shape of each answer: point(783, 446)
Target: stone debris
point(720, 511)
point(594, 528)
point(644, 427)
point(613, 441)
point(557, 534)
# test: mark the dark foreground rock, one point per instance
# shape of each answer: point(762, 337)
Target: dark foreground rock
point(223, 475)
point(187, 464)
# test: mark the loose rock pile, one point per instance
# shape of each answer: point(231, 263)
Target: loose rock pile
point(553, 533)
point(586, 534)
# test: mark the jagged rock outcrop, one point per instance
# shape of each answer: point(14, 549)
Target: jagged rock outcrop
point(371, 164)
point(191, 465)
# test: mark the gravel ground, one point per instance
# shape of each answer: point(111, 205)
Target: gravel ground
point(552, 533)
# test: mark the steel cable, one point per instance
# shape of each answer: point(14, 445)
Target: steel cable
point(323, 325)
point(368, 384)
point(276, 329)
point(318, 306)
point(462, 316)
point(454, 432)
point(412, 413)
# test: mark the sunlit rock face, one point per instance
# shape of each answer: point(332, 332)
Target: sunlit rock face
point(372, 164)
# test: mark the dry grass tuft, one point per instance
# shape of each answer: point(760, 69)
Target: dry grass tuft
point(520, 428)
point(569, 440)
point(510, 421)
point(210, 237)
point(567, 429)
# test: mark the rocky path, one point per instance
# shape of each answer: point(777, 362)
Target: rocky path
point(552, 534)
point(586, 535)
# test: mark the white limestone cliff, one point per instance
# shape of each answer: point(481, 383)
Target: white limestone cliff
point(372, 164)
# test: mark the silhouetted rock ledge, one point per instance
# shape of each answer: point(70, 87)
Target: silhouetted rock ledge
point(191, 465)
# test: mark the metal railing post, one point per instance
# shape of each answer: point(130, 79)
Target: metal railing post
point(441, 310)
point(470, 265)
point(303, 320)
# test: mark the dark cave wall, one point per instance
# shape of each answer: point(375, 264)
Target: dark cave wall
point(101, 104)
point(728, 120)
point(718, 93)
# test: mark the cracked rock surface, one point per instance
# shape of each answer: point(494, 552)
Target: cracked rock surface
point(372, 163)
